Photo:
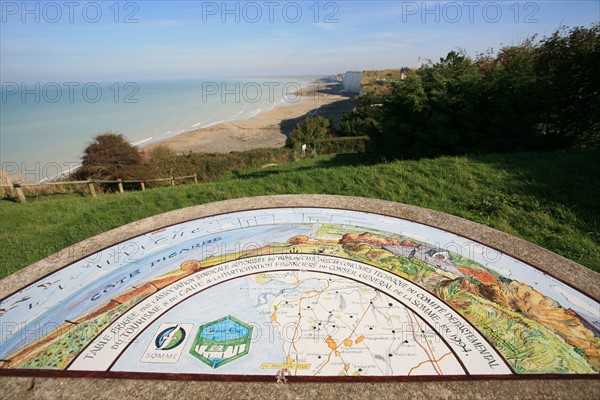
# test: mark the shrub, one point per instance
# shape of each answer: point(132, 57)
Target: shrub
point(110, 156)
point(341, 145)
point(211, 166)
point(309, 130)
point(355, 124)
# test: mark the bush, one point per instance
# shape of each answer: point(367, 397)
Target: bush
point(110, 156)
point(342, 145)
point(162, 161)
point(210, 167)
point(309, 130)
point(355, 124)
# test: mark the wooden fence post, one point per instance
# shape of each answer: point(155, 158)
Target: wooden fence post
point(16, 189)
point(20, 195)
point(92, 188)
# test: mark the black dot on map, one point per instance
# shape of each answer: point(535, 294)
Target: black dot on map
point(319, 357)
point(351, 316)
point(390, 304)
point(308, 307)
point(406, 341)
point(370, 328)
point(319, 324)
point(360, 370)
point(390, 354)
point(393, 331)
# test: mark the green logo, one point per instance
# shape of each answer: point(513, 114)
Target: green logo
point(222, 341)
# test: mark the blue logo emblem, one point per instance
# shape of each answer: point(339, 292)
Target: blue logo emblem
point(170, 338)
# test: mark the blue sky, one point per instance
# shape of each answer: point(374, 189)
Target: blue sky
point(149, 40)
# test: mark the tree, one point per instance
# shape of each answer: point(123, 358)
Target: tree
point(404, 114)
point(567, 64)
point(530, 96)
point(512, 106)
point(364, 120)
point(110, 156)
point(309, 130)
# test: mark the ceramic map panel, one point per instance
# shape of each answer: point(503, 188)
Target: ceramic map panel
point(307, 293)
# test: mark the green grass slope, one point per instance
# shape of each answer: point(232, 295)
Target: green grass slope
point(550, 199)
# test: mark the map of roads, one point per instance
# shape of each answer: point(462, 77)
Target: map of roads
point(307, 293)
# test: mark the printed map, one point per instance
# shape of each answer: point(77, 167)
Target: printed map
point(302, 292)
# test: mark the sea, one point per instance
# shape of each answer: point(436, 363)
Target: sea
point(45, 127)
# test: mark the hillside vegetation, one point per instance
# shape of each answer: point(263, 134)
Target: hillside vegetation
point(549, 199)
point(538, 95)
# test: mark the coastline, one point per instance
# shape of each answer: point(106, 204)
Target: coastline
point(268, 129)
point(256, 129)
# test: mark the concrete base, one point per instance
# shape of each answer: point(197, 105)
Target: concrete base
point(99, 389)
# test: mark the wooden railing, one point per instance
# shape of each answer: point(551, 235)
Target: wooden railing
point(19, 194)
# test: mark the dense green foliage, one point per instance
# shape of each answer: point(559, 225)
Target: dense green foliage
point(530, 195)
point(341, 145)
point(534, 96)
point(365, 120)
point(308, 130)
point(570, 90)
point(162, 162)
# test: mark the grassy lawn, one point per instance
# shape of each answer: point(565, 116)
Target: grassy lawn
point(550, 199)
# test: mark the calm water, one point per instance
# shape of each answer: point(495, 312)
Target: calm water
point(44, 129)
